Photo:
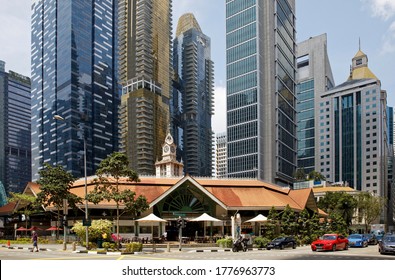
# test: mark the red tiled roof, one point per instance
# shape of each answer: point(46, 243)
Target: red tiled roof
point(7, 209)
point(233, 193)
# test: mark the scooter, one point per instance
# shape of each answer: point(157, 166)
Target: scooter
point(240, 244)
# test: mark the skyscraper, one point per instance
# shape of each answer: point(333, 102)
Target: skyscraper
point(353, 142)
point(261, 73)
point(221, 158)
point(15, 149)
point(314, 77)
point(145, 73)
point(74, 75)
point(353, 129)
point(194, 70)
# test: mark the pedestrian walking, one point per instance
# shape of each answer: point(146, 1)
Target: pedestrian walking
point(35, 241)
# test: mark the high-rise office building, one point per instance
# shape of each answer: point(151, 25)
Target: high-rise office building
point(194, 70)
point(261, 75)
point(15, 144)
point(221, 157)
point(391, 168)
point(145, 74)
point(353, 131)
point(314, 77)
point(74, 75)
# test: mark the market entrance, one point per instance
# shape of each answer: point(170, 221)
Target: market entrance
point(187, 202)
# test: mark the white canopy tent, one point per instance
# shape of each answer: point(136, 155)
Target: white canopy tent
point(258, 219)
point(205, 218)
point(151, 218)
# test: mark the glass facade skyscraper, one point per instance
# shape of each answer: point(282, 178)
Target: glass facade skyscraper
point(192, 102)
point(260, 57)
point(74, 75)
point(15, 149)
point(353, 144)
point(145, 74)
point(314, 77)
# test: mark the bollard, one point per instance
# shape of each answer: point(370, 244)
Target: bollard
point(168, 247)
point(74, 246)
point(8, 243)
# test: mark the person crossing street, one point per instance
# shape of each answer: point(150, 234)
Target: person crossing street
point(35, 241)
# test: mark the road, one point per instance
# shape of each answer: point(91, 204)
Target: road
point(300, 253)
point(218, 264)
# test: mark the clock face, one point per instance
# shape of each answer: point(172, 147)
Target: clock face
point(169, 139)
point(173, 149)
point(166, 148)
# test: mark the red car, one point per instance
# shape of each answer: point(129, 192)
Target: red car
point(330, 242)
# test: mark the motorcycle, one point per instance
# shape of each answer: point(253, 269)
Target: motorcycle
point(240, 244)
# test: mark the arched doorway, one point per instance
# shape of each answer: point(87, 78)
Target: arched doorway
point(187, 201)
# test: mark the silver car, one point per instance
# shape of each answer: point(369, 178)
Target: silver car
point(387, 245)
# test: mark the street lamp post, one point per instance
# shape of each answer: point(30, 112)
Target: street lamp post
point(60, 118)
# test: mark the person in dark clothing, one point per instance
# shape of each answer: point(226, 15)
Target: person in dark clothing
point(35, 241)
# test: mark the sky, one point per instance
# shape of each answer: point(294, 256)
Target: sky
point(346, 23)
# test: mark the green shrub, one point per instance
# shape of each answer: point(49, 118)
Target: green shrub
point(95, 231)
point(109, 246)
point(225, 242)
point(261, 242)
point(133, 247)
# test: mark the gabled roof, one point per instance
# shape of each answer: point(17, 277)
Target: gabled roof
point(7, 209)
point(230, 194)
point(196, 184)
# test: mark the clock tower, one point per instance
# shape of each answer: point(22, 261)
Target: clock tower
point(169, 166)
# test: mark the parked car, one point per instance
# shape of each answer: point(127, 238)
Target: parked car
point(387, 244)
point(372, 239)
point(357, 240)
point(379, 234)
point(282, 242)
point(330, 242)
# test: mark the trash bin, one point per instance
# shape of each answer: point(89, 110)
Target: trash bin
point(99, 243)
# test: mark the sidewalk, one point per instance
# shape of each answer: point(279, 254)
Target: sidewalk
point(41, 247)
point(147, 249)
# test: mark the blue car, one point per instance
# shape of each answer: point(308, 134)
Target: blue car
point(357, 240)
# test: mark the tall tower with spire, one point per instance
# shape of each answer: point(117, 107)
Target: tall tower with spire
point(169, 166)
point(353, 132)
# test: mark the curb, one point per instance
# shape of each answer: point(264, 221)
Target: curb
point(106, 253)
point(25, 248)
point(224, 250)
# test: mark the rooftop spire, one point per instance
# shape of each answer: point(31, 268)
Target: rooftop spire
point(359, 68)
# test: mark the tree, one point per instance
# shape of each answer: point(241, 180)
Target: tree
point(308, 226)
point(369, 208)
point(96, 230)
point(272, 225)
point(341, 203)
point(300, 174)
point(27, 203)
point(107, 187)
point(55, 184)
point(288, 221)
point(316, 176)
point(337, 223)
